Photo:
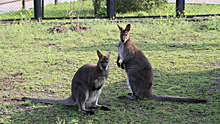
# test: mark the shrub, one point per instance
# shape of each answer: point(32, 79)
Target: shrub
point(102, 12)
point(123, 6)
point(96, 5)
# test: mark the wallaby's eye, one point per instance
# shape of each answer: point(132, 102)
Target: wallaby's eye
point(106, 60)
point(125, 34)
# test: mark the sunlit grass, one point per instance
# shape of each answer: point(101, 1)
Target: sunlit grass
point(184, 56)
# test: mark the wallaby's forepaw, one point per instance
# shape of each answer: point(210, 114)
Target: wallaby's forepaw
point(118, 64)
point(122, 66)
point(105, 108)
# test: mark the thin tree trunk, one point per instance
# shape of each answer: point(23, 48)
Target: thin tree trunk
point(77, 25)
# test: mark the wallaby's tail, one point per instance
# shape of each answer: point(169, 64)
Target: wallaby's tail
point(67, 101)
point(176, 99)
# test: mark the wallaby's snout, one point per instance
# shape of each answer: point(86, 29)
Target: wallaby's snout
point(105, 66)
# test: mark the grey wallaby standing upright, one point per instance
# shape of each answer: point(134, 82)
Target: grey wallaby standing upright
point(86, 86)
point(139, 71)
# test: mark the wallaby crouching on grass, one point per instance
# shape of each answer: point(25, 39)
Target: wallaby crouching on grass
point(86, 86)
point(139, 71)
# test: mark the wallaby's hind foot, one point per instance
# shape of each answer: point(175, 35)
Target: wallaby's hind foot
point(89, 112)
point(128, 97)
point(101, 108)
point(105, 108)
point(129, 94)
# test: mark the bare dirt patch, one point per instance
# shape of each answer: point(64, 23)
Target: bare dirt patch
point(8, 81)
point(60, 29)
point(51, 45)
point(8, 85)
point(218, 64)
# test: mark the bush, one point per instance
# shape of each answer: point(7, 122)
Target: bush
point(102, 12)
point(97, 5)
point(123, 6)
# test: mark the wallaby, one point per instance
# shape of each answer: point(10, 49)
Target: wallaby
point(139, 71)
point(86, 86)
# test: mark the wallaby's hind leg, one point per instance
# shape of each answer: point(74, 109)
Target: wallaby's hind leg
point(128, 97)
point(81, 100)
point(102, 107)
point(84, 110)
point(132, 95)
point(95, 105)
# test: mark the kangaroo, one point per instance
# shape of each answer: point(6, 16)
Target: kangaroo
point(139, 71)
point(86, 86)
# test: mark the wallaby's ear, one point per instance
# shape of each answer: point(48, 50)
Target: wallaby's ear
point(99, 54)
point(120, 28)
point(128, 27)
point(108, 54)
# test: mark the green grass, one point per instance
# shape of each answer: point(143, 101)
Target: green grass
point(60, 10)
point(184, 55)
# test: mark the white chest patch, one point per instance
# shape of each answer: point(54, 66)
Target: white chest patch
point(94, 95)
point(121, 50)
point(100, 80)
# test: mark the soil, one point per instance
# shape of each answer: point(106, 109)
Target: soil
point(60, 29)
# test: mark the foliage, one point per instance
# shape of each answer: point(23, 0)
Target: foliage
point(123, 6)
point(96, 5)
point(36, 63)
point(102, 12)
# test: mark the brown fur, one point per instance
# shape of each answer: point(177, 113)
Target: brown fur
point(139, 71)
point(86, 86)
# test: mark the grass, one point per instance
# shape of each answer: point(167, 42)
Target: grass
point(184, 55)
point(60, 10)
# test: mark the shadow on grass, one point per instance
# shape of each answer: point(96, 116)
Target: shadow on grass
point(148, 47)
point(190, 84)
point(204, 89)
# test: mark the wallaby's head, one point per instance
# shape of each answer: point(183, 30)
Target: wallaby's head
point(124, 33)
point(103, 60)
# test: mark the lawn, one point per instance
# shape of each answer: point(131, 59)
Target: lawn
point(184, 56)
